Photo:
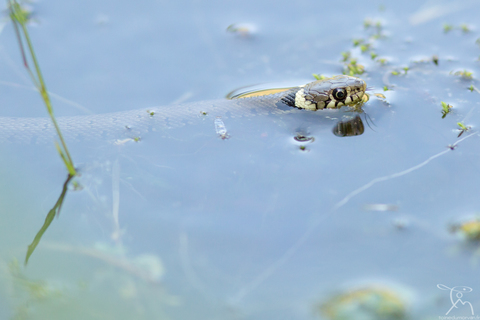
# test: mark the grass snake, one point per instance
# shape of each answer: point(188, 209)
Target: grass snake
point(328, 93)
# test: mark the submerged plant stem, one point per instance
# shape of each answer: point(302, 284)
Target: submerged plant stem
point(55, 211)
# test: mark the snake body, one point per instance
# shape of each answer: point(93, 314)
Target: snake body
point(328, 93)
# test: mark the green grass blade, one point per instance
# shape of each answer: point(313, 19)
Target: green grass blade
point(20, 17)
point(55, 211)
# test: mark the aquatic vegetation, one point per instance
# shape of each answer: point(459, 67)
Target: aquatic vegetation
point(55, 211)
point(365, 47)
point(20, 17)
point(473, 88)
point(385, 88)
point(465, 28)
point(465, 74)
point(435, 59)
point(469, 229)
point(319, 76)
point(382, 61)
point(357, 42)
point(376, 26)
point(353, 68)
point(447, 27)
point(346, 56)
point(463, 128)
point(370, 302)
point(446, 108)
point(303, 148)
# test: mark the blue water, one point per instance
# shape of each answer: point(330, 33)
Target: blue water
point(251, 227)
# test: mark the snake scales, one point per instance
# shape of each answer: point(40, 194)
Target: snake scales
point(328, 93)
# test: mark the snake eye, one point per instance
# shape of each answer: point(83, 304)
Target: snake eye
point(339, 94)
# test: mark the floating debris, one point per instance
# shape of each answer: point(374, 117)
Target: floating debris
point(401, 223)
point(221, 129)
point(380, 207)
point(371, 302)
point(300, 137)
point(452, 146)
point(244, 30)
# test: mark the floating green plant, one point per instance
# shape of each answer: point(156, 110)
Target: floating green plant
point(447, 27)
point(465, 74)
point(465, 28)
point(468, 229)
point(346, 56)
point(353, 68)
point(382, 61)
point(463, 128)
point(357, 42)
point(20, 17)
point(365, 47)
point(446, 108)
point(318, 76)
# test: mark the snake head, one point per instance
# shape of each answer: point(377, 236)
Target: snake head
point(328, 93)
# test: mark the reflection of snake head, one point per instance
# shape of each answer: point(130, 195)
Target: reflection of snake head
point(349, 128)
point(328, 93)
